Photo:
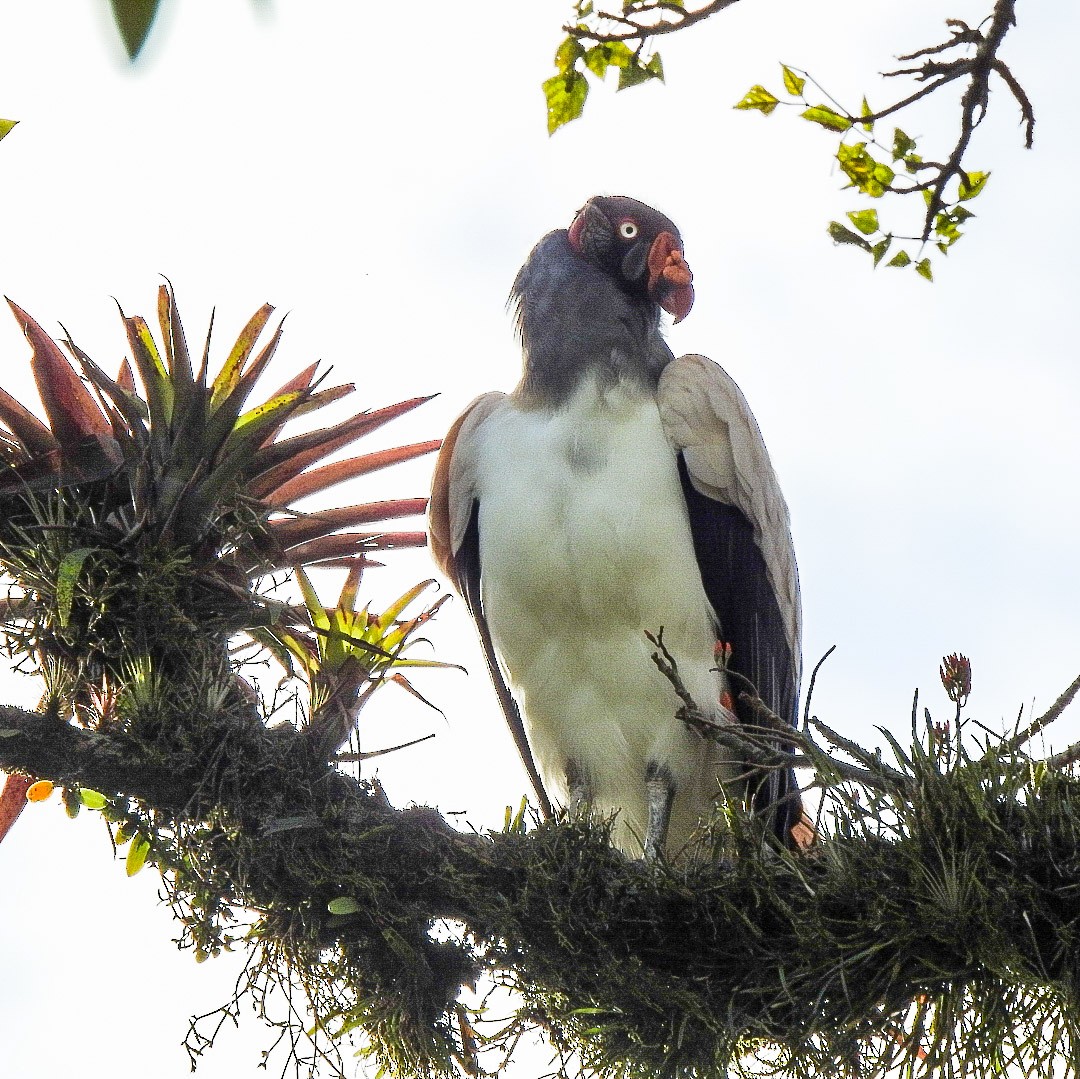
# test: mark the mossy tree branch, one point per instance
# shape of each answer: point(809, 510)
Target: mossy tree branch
point(970, 896)
point(939, 916)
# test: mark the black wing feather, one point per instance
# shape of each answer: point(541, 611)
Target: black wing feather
point(733, 572)
point(467, 579)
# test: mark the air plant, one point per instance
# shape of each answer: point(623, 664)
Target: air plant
point(350, 653)
point(138, 519)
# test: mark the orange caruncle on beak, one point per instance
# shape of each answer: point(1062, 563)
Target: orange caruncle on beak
point(670, 279)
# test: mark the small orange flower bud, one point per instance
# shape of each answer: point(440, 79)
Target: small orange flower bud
point(39, 791)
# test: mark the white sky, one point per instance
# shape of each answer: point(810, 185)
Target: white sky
point(382, 180)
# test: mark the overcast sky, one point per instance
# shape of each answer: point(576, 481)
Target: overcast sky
point(382, 180)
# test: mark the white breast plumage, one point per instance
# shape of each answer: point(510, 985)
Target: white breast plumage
point(581, 554)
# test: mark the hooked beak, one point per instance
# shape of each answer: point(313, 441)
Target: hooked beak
point(670, 279)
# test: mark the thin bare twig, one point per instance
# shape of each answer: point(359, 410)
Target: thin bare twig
point(755, 745)
point(368, 754)
point(641, 21)
point(974, 101)
point(638, 27)
point(813, 682)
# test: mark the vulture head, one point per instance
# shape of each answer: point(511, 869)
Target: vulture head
point(638, 247)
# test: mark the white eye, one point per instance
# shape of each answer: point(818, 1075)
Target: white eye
point(628, 230)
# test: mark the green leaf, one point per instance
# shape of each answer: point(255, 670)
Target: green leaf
point(136, 855)
point(946, 228)
point(866, 221)
point(133, 19)
point(319, 618)
point(923, 269)
point(871, 177)
point(637, 73)
point(72, 803)
point(584, 9)
point(565, 96)
point(842, 235)
point(655, 67)
point(92, 799)
point(343, 905)
point(66, 577)
point(792, 82)
point(867, 125)
point(879, 249)
point(608, 54)
point(568, 54)
point(883, 175)
point(514, 823)
point(6, 126)
point(973, 185)
point(902, 144)
point(828, 118)
point(232, 370)
point(757, 97)
point(901, 258)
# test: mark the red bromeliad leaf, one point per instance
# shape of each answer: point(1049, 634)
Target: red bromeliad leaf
point(25, 426)
point(72, 411)
point(302, 380)
point(290, 531)
point(350, 545)
point(409, 688)
point(281, 461)
point(323, 550)
point(125, 377)
point(12, 801)
point(314, 400)
point(319, 479)
point(393, 541)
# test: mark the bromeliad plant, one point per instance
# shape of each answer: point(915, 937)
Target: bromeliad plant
point(351, 653)
point(138, 522)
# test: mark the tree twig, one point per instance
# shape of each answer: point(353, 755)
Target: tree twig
point(755, 745)
point(813, 681)
point(639, 28)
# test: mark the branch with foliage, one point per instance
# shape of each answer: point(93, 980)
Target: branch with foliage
point(934, 924)
point(599, 39)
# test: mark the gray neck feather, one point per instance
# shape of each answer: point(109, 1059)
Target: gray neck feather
point(576, 321)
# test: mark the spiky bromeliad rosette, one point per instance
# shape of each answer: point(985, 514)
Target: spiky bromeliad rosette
point(135, 522)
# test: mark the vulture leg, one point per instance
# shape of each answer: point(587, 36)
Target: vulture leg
point(577, 786)
point(659, 796)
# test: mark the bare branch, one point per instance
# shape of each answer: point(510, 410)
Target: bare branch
point(975, 99)
point(813, 681)
point(645, 21)
point(755, 746)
